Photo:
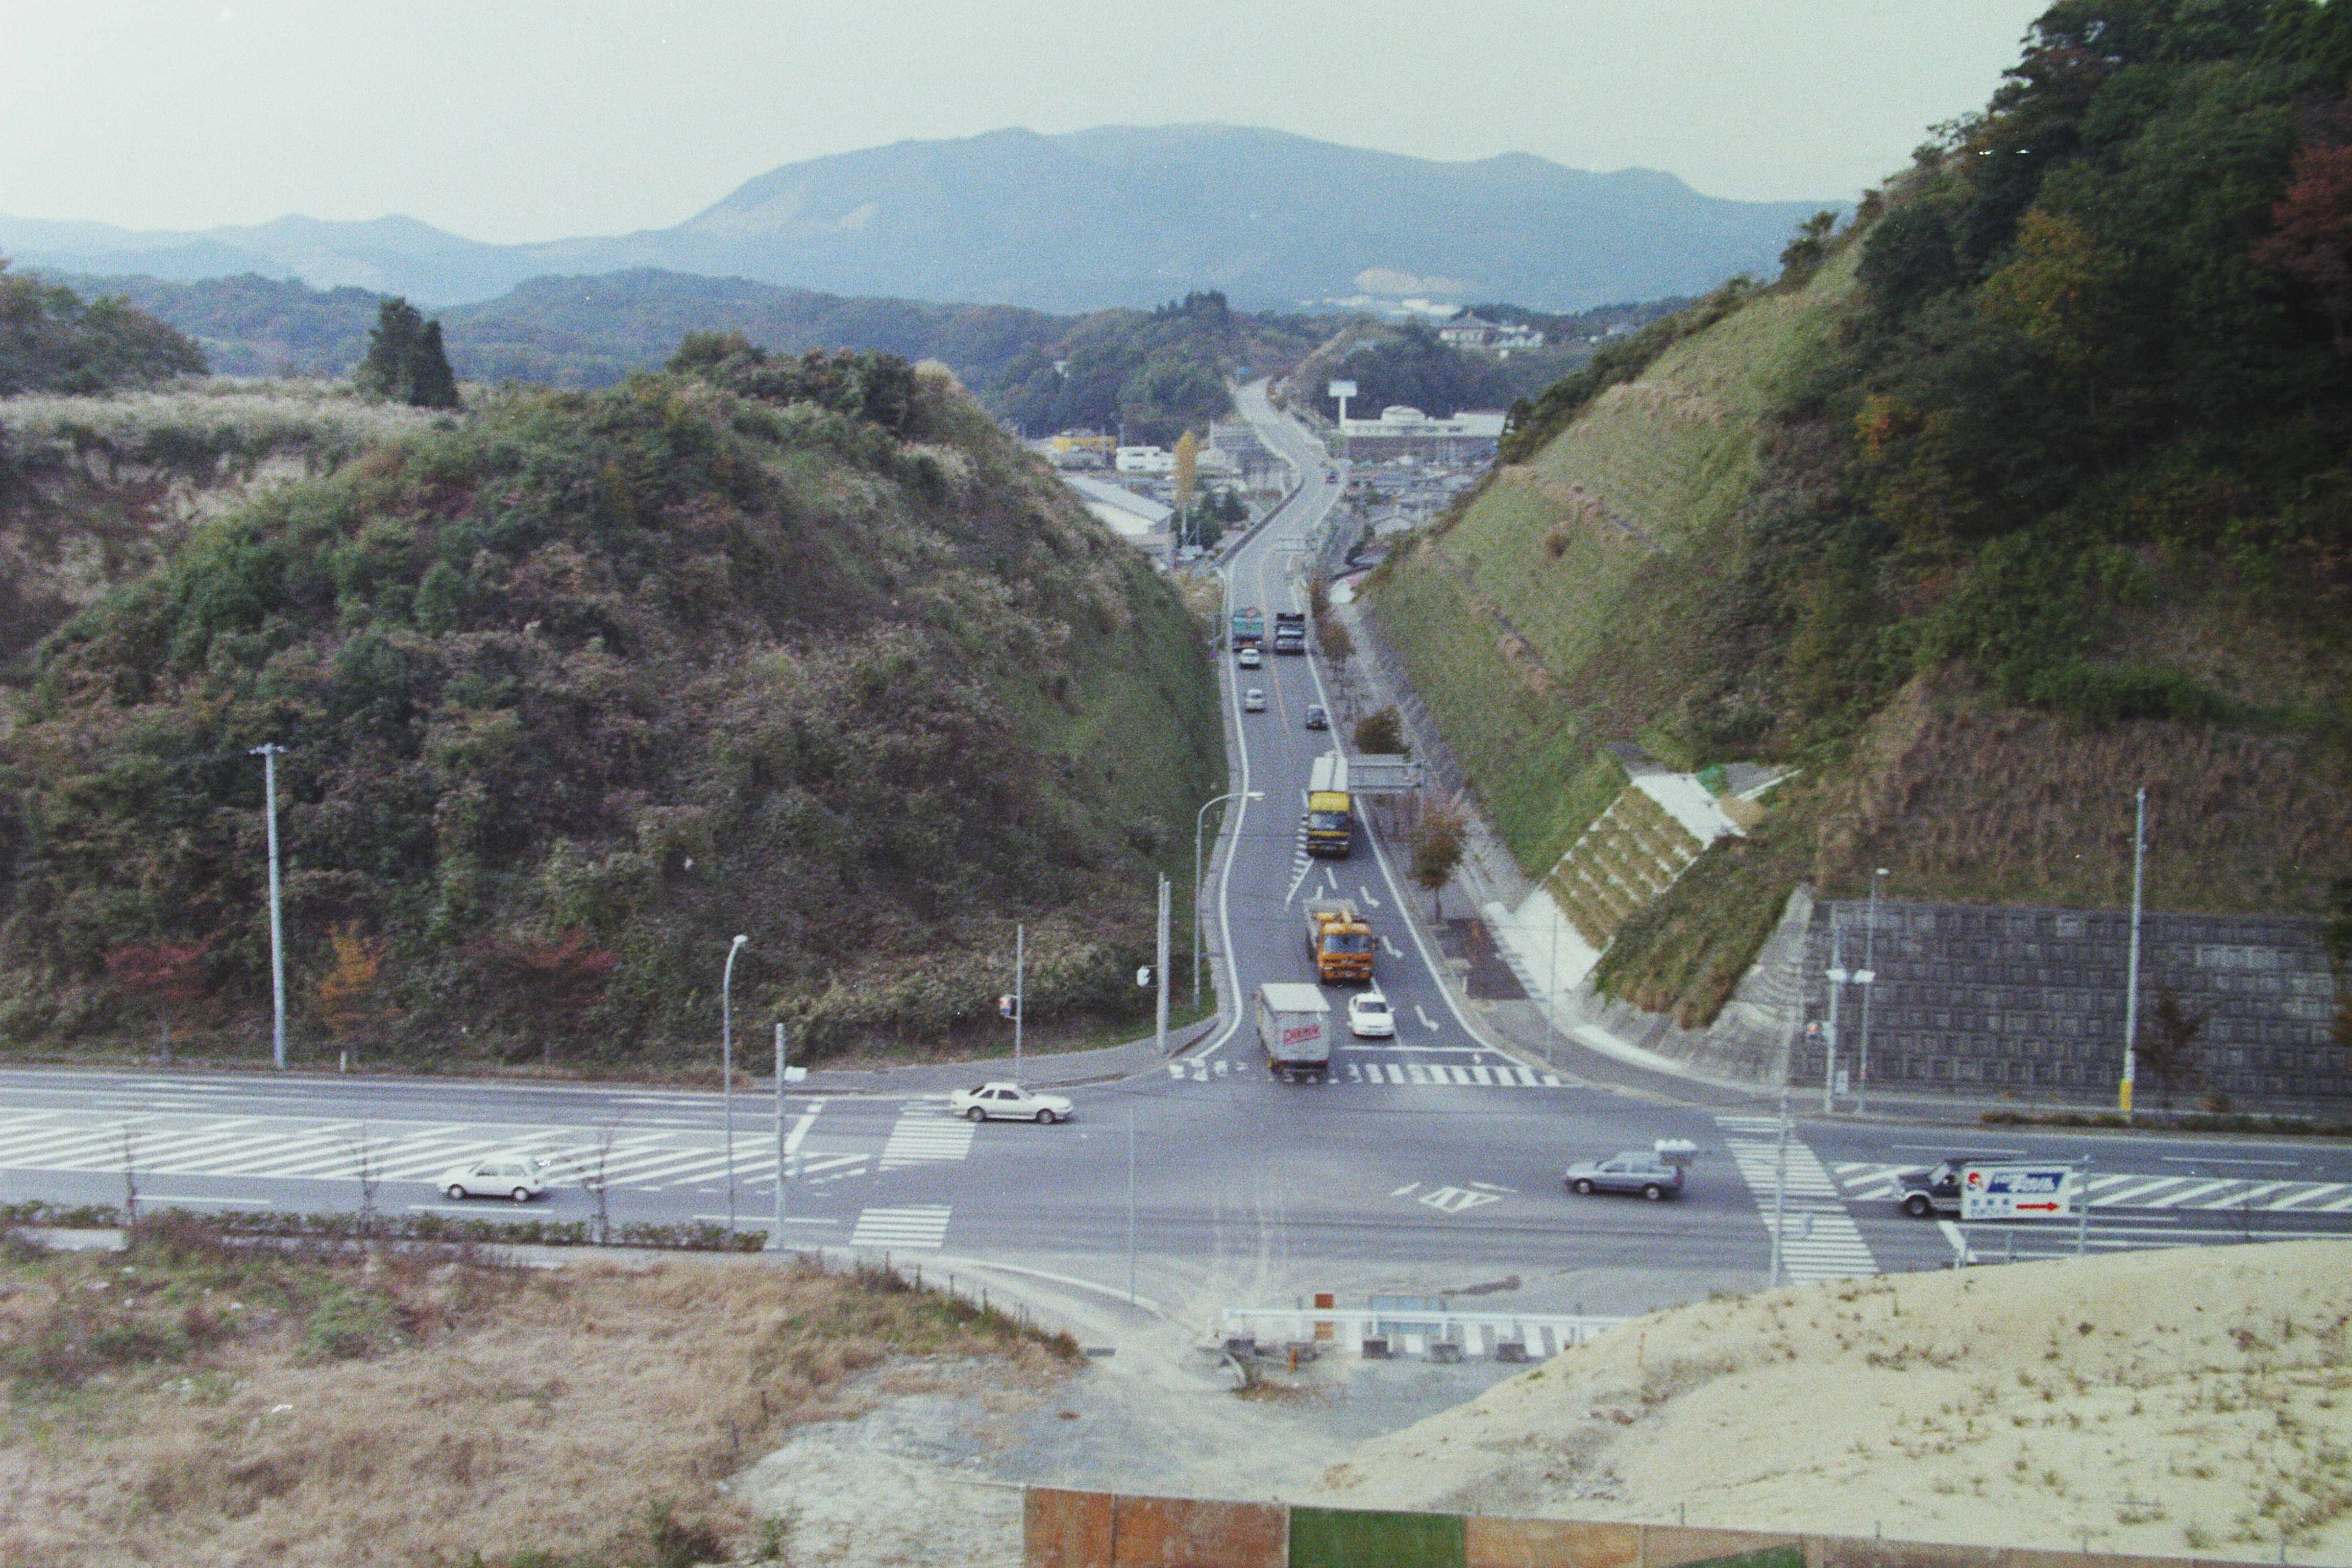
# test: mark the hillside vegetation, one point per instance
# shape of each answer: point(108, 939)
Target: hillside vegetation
point(1154, 371)
point(578, 685)
point(2025, 489)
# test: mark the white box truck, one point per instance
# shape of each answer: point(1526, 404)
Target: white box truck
point(1292, 1026)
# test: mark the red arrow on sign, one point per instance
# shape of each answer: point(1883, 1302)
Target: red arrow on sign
point(2050, 1207)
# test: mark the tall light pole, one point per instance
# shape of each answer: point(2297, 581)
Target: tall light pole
point(1837, 978)
point(1201, 821)
point(1020, 1001)
point(2131, 967)
point(268, 751)
point(727, 1068)
point(1160, 971)
point(1867, 978)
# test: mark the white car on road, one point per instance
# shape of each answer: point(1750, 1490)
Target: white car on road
point(516, 1176)
point(1009, 1102)
point(1369, 1018)
point(1252, 701)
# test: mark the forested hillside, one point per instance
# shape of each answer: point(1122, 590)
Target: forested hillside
point(2031, 486)
point(52, 340)
point(1155, 371)
point(577, 686)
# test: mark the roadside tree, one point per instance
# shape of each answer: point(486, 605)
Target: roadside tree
point(1437, 844)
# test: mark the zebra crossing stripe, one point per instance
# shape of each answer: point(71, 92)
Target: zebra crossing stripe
point(925, 1134)
point(1819, 1240)
point(917, 1225)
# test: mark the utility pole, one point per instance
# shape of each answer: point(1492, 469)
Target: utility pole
point(269, 752)
point(1837, 977)
point(1020, 1002)
point(1868, 980)
point(1161, 971)
point(2131, 965)
point(1551, 997)
point(1130, 1199)
point(776, 1231)
point(1780, 1191)
point(727, 1068)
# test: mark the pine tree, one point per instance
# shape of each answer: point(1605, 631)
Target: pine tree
point(432, 384)
point(385, 371)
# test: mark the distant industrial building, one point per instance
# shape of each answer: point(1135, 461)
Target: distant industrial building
point(1138, 519)
point(1468, 332)
point(1470, 436)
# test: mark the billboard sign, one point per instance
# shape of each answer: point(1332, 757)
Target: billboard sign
point(1343, 389)
point(2017, 1192)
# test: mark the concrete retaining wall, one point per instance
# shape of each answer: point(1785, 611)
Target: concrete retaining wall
point(1995, 1002)
point(1101, 1530)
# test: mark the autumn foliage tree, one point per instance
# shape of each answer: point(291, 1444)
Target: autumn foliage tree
point(549, 984)
point(349, 995)
point(168, 977)
point(1438, 840)
point(2310, 242)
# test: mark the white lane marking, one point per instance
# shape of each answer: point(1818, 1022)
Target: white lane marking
point(1426, 1021)
point(916, 1225)
point(1393, 950)
point(1408, 1187)
point(1369, 902)
point(1493, 1188)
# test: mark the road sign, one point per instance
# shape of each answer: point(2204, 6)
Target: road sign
point(1343, 389)
point(2017, 1192)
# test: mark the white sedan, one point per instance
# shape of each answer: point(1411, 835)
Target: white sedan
point(1369, 1018)
point(515, 1176)
point(1252, 701)
point(1009, 1102)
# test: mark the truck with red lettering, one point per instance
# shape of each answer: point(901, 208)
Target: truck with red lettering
point(1292, 1025)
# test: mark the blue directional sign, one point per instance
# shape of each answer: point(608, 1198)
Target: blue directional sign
point(2017, 1192)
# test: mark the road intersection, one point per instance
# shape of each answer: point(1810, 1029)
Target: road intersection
point(1427, 1163)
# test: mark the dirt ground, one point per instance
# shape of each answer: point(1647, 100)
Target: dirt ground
point(2194, 1401)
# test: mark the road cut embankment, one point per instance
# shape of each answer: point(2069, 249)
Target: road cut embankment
point(2194, 1400)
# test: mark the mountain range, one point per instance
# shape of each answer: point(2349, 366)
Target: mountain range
point(1117, 216)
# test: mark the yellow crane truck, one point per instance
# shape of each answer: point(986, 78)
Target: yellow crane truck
point(1339, 942)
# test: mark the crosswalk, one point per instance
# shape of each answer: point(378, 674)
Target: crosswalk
point(1865, 1181)
point(913, 1225)
point(282, 1148)
point(1818, 1240)
point(1350, 1070)
point(927, 1131)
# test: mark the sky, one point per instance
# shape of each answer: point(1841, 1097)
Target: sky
point(529, 119)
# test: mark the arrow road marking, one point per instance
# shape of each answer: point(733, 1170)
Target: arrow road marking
point(1455, 1200)
point(1402, 1191)
point(1426, 1021)
point(1393, 950)
point(1369, 902)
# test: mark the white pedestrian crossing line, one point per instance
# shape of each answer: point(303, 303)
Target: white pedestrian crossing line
point(1868, 1180)
point(926, 1133)
point(916, 1225)
point(1818, 1240)
point(1426, 1075)
point(292, 1149)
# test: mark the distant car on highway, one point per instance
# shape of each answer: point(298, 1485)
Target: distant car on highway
point(515, 1176)
point(1636, 1171)
point(1252, 701)
point(1249, 659)
point(1316, 719)
point(1007, 1101)
point(1369, 1017)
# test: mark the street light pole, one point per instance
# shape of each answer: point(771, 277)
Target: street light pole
point(727, 1068)
point(2131, 968)
point(1020, 1001)
point(1200, 822)
point(1837, 978)
point(776, 1230)
point(268, 752)
point(1868, 980)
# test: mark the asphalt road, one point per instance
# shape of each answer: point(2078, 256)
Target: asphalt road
point(1427, 1163)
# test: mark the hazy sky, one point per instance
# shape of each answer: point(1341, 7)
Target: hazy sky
point(516, 119)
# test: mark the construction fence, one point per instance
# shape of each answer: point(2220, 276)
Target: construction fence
point(1104, 1529)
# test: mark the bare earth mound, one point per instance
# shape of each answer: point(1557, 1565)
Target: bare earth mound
point(2196, 1400)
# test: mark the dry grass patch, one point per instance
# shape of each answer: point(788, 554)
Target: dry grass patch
point(196, 1402)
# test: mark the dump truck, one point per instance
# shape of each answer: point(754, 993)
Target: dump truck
point(1248, 627)
point(1331, 809)
point(1290, 1026)
point(1339, 941)
point(1289, 631)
